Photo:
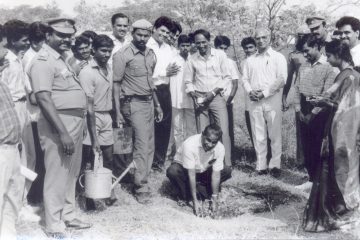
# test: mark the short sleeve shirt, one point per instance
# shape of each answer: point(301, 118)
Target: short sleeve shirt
point(97, 85)
point(134, 69)
point(49, 72)
point(191, 155)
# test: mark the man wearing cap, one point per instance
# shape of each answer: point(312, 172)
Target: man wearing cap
point(349, 32)
point(63, 103)
point(133, 82)
point(317, 26)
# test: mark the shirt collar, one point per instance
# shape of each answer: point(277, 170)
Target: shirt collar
point(11, 56)
point(355, 48)
point(136, 50)
point(321, 60)
point(268, 52)
point(94, 64)
point(51, 51)
point(212, 53)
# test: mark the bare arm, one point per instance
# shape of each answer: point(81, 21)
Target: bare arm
point(91, 123)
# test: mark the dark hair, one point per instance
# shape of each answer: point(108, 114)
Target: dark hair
point(118, 15)
point(183, 38)
point(2, 32)
point(177, 27)
point(15, 30)
point(102, 40)
point(311, 40)
point(164, 21)
point(191, 37)
point(203, 32)
point(214, 129)
point(340, 50)
point(247, 41)
point(89, 34)
point(37, 32)
point(352, 21)
point(80, 40)
point(301, 42)
point(222, 40)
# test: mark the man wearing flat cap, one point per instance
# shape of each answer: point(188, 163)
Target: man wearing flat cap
point(136, 101)
point(63, 103)
point(317, 26)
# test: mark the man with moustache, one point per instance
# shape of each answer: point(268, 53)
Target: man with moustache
point(81, 53)
point(264, 75)
point(206, 75)
point(133, 82)
point(349, 32)
point(317, 26)
point(120, 26)
point(61, 123)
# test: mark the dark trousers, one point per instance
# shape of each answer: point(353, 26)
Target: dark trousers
point(178, 176)
point(88, 157)
point(163, 128)
point(35, 194)
point(312, 135)
point(231, 127)
point(248, 125)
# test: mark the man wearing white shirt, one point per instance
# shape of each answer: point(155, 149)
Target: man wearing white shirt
point(264, 75)
point(163, 70)
point(120, 26)
point(349, 31)
point(183, 116)
point(206, 75)
point(223, 43)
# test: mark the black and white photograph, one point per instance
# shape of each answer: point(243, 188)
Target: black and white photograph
point(179, 119)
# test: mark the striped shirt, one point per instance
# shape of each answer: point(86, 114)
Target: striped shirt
point(9, 122)
point(313, 79)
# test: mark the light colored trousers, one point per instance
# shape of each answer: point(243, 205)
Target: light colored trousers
point(10, 191)
point(28, 153)
point(266, 121)
point(61, 171)
point(183, 124)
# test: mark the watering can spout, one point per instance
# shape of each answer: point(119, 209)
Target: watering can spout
point(117, 180)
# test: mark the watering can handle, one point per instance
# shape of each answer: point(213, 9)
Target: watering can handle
point(80, 178)
point(98, 161)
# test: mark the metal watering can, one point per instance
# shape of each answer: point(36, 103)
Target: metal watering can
point(99, 182)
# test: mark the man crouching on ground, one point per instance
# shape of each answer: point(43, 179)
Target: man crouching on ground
point(199, 162)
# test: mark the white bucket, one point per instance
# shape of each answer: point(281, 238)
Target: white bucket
point(98, 184)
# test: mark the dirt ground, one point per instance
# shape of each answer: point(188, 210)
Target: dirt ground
point(252, 208)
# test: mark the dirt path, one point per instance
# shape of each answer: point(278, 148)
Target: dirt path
point(253, 208)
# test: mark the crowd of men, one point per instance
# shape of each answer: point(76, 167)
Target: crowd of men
point(61, 96)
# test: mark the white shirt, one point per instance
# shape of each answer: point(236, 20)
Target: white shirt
point(118, 45)
point(164, 56)
point(179, 98)
point(34, 110)
point(204, 75)
point(234, 73)
point(14, 76)
point(355, 53)
point(266, 71)
point(191, 155)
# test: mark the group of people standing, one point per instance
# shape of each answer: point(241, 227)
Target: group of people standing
point(62, 96)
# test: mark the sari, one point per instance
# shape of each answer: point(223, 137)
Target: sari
point(336, 188)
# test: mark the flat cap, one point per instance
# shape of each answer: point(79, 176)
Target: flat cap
point(314, 21)
point(62, 25)
point(142, 24)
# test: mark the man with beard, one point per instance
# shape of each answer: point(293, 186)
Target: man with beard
point(264, 75)
point(61, 123)
point(96, 80)
point(349, 32)
point(81, 53)
point(206, 75)
point(132, 79)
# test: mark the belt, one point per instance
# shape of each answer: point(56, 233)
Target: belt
point(128, 98)
point(76, 112)
point(22, 99)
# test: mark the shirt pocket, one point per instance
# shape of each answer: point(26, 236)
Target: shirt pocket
point(67, 78)
point(138, 70)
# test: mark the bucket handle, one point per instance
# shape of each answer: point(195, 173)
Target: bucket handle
point(80, 182)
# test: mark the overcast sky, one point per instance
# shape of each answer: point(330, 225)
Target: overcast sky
point(68, 5)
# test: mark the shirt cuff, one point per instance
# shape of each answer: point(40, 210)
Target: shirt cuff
point(189, 88)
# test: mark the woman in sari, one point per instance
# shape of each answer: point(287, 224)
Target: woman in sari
point(336, 189)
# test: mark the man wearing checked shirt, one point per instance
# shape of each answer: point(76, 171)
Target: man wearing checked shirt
point(206, 75)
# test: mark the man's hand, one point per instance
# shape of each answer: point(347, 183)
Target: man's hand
point(158, 113)
point(68, 144)
point(253, 96)
point(195, 96)
point(119, 120)
point(4, 65)
point(259, 94)
point(308, 118)
point(209, 96)
point(197, 208)
point(172, 69)
point(96, 146)
point(285, 105)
